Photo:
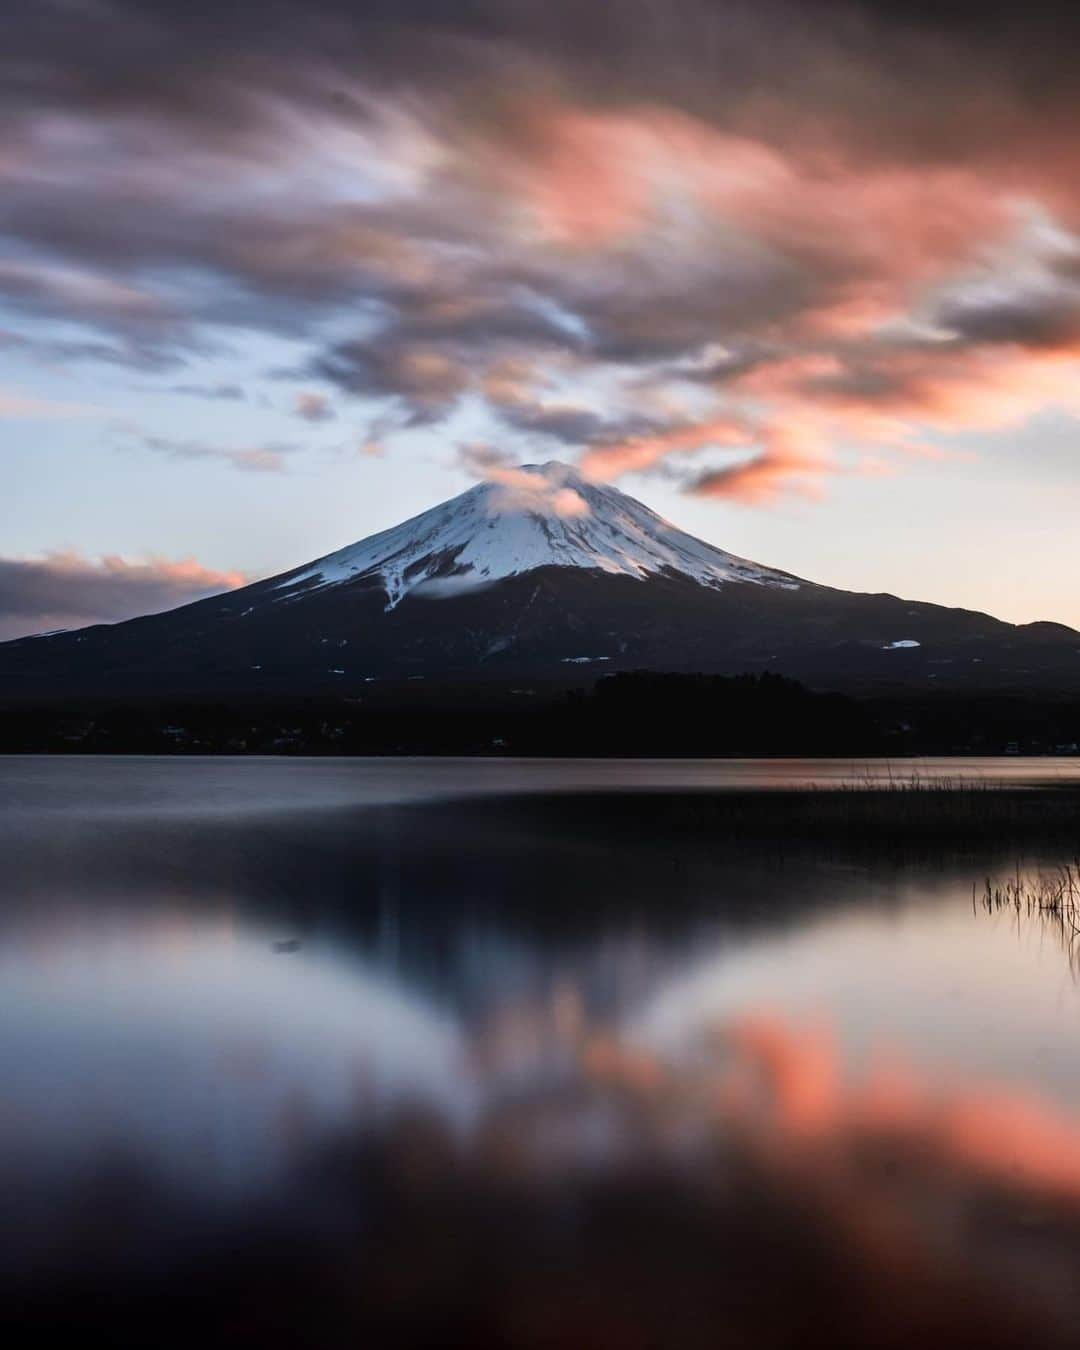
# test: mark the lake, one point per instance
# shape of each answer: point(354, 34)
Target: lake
point(501, 1052)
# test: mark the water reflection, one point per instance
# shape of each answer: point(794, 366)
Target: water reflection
point(416, 1062)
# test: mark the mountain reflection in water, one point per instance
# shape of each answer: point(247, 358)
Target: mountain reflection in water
point(565, 1068)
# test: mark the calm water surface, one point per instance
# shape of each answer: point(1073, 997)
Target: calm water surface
point(130, 783)
point(211, 971)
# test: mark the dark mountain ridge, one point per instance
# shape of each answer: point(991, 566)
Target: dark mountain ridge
point(556, 583)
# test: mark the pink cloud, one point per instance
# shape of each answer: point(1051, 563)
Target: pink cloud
point(66, 590)
point(870, 360)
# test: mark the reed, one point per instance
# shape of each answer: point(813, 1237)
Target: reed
point(1055, 893)
point(1051, 898)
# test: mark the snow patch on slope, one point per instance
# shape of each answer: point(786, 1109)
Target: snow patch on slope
point(548, 516)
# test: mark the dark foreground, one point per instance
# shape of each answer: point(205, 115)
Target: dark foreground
point(302, 1054)
point(627, 714)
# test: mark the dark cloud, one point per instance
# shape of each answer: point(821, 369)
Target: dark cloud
point(202, 63)
point(432, 339)
point(1043, 318)
point(425, 379)
point(729, 197)
point(68, 591)
point(576, 427)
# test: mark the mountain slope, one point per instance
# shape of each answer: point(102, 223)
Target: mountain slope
point(539, 579)
point(539, 516)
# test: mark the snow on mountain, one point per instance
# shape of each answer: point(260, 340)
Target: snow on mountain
point(539, 515)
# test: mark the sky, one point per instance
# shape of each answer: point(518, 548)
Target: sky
point(805, 278)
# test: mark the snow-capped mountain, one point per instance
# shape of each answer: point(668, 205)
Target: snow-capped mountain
point(538, 578)
point(539, 515)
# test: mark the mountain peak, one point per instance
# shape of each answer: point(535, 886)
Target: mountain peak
point(522, 518)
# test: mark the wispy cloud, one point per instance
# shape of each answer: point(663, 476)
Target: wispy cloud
point(269, 458)
point(218, 393)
